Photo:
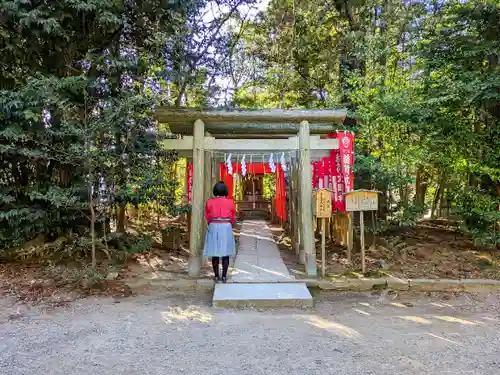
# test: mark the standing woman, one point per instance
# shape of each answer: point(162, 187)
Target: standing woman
point(219, 240)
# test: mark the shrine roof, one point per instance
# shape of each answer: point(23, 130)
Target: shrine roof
point(223, 123)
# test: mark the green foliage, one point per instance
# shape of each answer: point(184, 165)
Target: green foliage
point(422, 79)
point(181, 210)
point(79, 83)
point(158, 188)
point(269, 185)
point(140, 245)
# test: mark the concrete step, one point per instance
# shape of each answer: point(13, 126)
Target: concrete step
point(262, 295)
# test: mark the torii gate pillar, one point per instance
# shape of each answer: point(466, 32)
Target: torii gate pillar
point(306, 200)
point(197, 197)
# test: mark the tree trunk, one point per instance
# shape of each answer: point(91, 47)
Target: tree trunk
point(383, 204)
point(441, 202)
point(182, 92)
point(420, 187)
point(438, 195)
point(435, 201)
point(403, 195)
point(120, 219)
point(92, 221)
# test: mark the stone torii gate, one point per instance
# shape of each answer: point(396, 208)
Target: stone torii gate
point(247, 131)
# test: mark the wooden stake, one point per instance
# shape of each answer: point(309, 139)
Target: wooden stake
point(374, 239)
point(323, 250)
point(350, 236)
point(362, 230)
point(327, 228)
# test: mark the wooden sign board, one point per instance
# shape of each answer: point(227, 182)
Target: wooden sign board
point(361, 200)
point(322, 203)
point(315, 193)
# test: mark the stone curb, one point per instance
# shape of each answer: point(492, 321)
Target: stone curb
point(357, 285)
point(422, 285)
point(172, 285)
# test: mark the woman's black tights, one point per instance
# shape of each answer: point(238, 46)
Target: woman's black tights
point(225, 266)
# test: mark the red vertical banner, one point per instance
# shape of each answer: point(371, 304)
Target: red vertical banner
point(341, 168)
point(189, 180)
point(280, 193)
point(326, 173)
point(346, 148)
point(337, 181)
point(321, 175)
point(316, 167)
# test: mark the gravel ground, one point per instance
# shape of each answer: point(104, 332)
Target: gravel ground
point(344, 334)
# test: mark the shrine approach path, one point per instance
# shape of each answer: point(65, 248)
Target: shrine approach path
point(344, 334)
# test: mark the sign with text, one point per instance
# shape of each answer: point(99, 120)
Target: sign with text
point(323, 203)
point(337, 180)
point(361, 200)
point(346, 151)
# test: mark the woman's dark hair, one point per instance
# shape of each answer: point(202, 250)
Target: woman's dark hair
point(220, 189)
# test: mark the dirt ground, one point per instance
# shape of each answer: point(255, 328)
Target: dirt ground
point(65, 319)
point(428, 251)
point(61, 283)
point(431, 250)
point(350, 334)
point(165, 264)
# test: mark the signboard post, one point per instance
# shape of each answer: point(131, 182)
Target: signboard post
point(361, 200)
point(323, 211)
point(315, 217)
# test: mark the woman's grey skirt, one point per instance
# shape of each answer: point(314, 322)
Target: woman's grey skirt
point(219, 240)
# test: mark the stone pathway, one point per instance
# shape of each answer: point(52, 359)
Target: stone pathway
point(259, 277)
point(258, 259)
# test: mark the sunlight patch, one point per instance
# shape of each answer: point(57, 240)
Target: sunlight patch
point(452, 319)
point(333, 327)
point(362, 312)
point(397, 304)
point(416, 319)
point(183, 315)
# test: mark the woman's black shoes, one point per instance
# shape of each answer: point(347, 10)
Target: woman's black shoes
point(224, 280)
point(217, 279)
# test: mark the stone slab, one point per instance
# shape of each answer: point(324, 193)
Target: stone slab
point(260, 279)
point(396, 283)
point(472, 285)
point(435, 285)
point(352, 284)
point(262, 295)
point(276, 271)
point(245, 268)
point(246, 257)
point(207, 284)
point(258, 259)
